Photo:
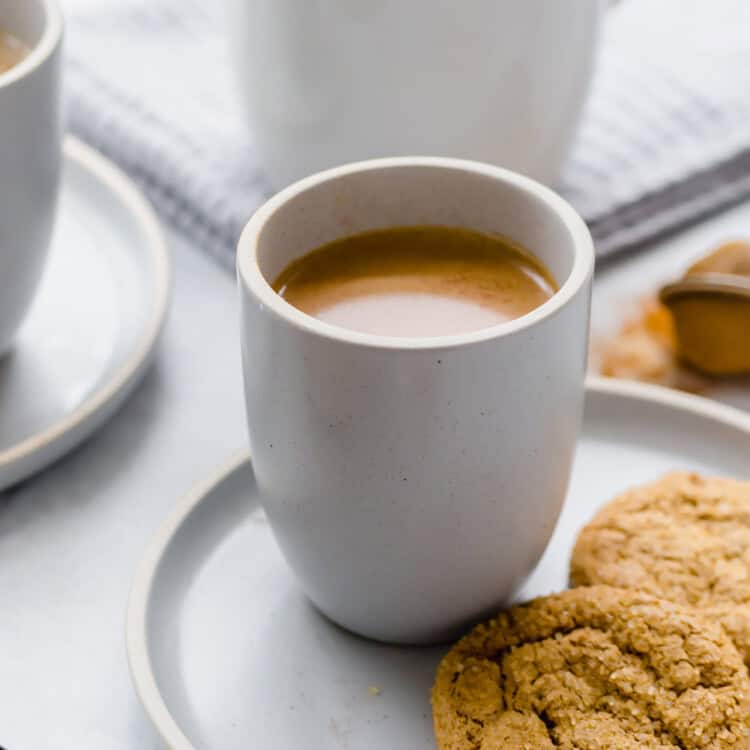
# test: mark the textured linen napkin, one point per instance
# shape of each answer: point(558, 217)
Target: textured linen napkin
point(665, 137)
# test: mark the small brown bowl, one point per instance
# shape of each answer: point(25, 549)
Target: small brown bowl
point(711, 310)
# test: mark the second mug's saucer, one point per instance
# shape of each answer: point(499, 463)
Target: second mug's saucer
point(226, 653)
point(94, 324)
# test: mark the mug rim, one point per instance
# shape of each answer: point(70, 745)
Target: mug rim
point(255, 283)
point(43, 49)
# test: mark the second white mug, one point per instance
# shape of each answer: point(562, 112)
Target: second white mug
point(335, 81)
point(30, 154)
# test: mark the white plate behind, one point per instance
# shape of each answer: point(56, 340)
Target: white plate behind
point(226, 653)
point(93, 327)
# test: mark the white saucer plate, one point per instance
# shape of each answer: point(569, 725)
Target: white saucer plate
point(95, 322)
point(226, 653)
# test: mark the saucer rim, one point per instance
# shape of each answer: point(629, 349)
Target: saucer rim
point(129, 372)
point(140, 597)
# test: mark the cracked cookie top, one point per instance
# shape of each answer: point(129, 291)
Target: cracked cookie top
point(594, 668)
point(685, 538)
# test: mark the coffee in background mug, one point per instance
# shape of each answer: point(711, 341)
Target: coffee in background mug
point(12, 50)
point(334, 81)
point(30, 151)
point(413, 482)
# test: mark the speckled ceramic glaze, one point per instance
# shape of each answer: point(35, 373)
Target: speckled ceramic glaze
point(413, 483)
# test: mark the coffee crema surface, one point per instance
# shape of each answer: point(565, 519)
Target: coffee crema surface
point(417, 281)
point(12, 51)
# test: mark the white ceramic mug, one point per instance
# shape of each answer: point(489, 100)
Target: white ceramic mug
point(413, 483)
point(30, 148)
point(334, 81)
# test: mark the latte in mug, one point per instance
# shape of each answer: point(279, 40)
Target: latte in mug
point(417, 281)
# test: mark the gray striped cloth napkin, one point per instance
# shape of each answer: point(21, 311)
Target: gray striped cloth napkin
point(665, 138)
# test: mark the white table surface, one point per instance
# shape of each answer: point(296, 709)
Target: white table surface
point(70, 538)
